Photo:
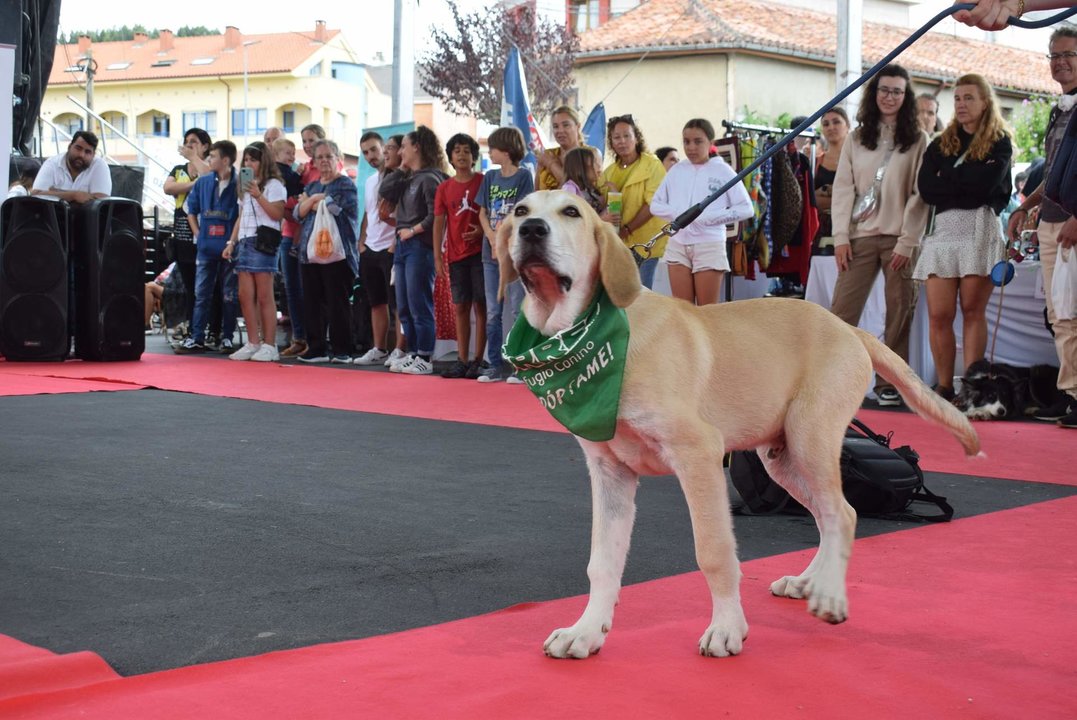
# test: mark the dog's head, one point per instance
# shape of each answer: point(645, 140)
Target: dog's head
point(559, 247)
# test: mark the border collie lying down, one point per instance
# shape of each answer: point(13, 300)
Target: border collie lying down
point(996, 391)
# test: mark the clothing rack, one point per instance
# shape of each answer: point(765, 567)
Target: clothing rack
point(730, 125)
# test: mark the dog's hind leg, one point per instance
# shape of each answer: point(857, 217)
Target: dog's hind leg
point(613, 507)
point(809, 468)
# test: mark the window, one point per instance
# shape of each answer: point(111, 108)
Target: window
point(70, 124)
point(584, 15)
point(287, 121)
point(316, 70)
point(256, 126)
point(205, 119)
point(116, 120)
point(202, 61)
point(161, 126)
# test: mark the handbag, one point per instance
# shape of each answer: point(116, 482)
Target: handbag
point(266, 239)
point(868, 204)
point(324, 245)
point(1064, 284)
point(877, 480)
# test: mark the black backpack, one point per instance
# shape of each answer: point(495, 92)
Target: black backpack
point(878, 481)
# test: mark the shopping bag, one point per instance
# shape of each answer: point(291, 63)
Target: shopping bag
point(1064, 284)
point(324, 245)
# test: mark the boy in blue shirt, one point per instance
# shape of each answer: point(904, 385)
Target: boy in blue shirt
point(212, 209)
point(500, 191)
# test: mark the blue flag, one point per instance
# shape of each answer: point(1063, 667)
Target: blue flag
point(594, 130)
point(516, 110)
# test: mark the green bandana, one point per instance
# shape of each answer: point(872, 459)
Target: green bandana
point(577, 373)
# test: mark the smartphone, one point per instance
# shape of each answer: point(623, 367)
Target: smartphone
point(246, 177)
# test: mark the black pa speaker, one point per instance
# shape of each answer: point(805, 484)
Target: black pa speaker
point(109, 263)
point(34, 279)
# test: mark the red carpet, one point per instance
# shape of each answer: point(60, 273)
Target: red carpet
point(966, 620)
point(24, 384)
point(1018, 451)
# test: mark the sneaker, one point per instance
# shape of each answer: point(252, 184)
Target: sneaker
point(312, 357)
point(246, 352)
point(514, 379)
point(297, 348)
point(395, 356)
point(402, 363)
point(458, 370)
point(341, 359)
point(418, 366)
point(266, 353)
point(213, 343)
point(190, 346)
point(1055, 412)
point(1069, 421)
point(490, 374)
point(889, 397)
point(227, 346)
point(475, 369)
point(946, 393)
point(373, 356)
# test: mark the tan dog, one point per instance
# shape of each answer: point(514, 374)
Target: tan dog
point(781, 376)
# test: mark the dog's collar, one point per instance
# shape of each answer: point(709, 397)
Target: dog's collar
point(577, 373)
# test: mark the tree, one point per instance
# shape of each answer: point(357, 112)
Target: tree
point(465, 68)
point(1030, 128)
point(125, 33)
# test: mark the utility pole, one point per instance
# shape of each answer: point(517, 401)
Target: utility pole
point(403, 61)
point(90, 68)
point(849, 63)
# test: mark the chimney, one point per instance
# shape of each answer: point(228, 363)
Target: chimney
point(84, 44)
point(165, 38)
point(319, 31)
point(232, 38)
point(141, 38)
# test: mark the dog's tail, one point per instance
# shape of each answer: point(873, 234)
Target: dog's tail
point(922, 399)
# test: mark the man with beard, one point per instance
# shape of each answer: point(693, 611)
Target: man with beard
point(77, 176)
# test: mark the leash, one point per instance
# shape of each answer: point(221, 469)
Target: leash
point(642, 251)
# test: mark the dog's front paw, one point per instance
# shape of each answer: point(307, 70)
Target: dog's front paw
point(724, 639)
point(575, 642)
point(790, 586)
point(831, 606)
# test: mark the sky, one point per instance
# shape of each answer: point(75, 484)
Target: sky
point(367, 24)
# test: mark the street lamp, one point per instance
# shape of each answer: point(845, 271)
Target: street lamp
point(246, 115)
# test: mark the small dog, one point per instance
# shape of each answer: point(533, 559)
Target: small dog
point(997, 391)
point(783, 377)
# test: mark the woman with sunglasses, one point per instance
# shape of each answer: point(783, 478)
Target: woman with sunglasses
point(877, 213)
point(966, 176)
point(636, 174)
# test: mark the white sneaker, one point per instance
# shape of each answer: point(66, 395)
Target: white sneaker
point(402, 363)
point(513, 379)
point(490, 375)
point(418, 366)
point(266, 353)
point(246, 352)
point(373, 356)
point(395, 356)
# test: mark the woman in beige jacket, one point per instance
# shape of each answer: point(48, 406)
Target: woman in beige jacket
point(889, 139)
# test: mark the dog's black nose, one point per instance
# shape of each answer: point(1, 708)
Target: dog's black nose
point(534, 230)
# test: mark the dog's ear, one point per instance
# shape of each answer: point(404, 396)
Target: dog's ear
point(616, 266)
point(502, 253)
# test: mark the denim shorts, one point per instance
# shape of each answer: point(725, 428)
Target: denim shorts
point(252, 261)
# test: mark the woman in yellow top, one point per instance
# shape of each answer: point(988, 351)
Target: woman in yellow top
point(636, 174)
point(567, 131)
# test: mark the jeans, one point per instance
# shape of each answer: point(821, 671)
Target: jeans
point(293, 288)
point(495, 308)
point(413, 262)
point(646, 272)
point(212, 272)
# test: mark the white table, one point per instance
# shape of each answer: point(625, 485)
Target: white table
point(1022, 338)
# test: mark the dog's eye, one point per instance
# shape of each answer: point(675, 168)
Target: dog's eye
point(571, 211)
point(520, 211)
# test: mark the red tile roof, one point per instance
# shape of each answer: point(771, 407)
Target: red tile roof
point(679, 26)
point(269, 53)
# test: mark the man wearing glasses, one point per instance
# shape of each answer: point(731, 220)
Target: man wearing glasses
point(1056, 227)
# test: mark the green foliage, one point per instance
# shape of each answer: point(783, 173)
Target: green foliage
point(125, 33)
point(1030, 128)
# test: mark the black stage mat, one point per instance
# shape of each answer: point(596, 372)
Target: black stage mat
point(165, 529)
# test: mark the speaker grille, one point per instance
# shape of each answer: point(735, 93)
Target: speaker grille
point(34, 326)
point(33, 262)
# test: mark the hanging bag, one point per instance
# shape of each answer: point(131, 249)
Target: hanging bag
point(324, 245)
point(266, 239)
point(868, 204)
point(1064, 284)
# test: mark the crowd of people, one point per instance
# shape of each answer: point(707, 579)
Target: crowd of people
point(898, 194)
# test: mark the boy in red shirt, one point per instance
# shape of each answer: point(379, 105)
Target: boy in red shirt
point(456, 224)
